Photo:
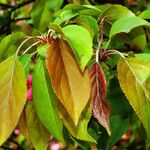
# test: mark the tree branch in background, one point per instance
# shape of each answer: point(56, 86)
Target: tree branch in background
point(6, 5)
point(22, 4)
point(20, 19)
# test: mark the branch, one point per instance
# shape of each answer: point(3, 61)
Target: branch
point(13, 8)
point(20, 19)
point(6, 5)
point(22, 4)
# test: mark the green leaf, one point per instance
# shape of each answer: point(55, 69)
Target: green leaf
point(65, 16)
point(133, 74)
point(42, 49)
point(118, 102)
point(90, 11)
point(46, 101)
point(38, 135)
point(89, 23)
point(121, 111)
point(104, 7)
point(119, 125)
point(25, 60)
point(126, 24)
point(83, 9)
point(145, 14)
point(41, 15)
point(113, 13)
point(8, 45)
point(145, 57)
point(80, 132)
point(81, 43)
point(12, 95)
point(55, 5)
point(76, 7)
point(136, 38)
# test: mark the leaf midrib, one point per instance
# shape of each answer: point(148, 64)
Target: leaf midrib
point(10, 82)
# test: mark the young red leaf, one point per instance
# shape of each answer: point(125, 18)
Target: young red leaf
point(101, 109)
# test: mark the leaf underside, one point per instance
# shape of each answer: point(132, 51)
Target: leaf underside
point(101, 109)
point(71, 86)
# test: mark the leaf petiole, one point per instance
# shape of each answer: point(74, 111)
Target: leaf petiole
point(29, 38)
point(34, 44)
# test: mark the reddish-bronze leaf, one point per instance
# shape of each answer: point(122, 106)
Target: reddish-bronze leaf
point(101, 109)
point(71, 86)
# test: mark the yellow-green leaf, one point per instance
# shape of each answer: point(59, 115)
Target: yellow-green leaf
point(134, 80)
point(12, 95)
point(71, 86)
point(38, 134)
point(22, 125)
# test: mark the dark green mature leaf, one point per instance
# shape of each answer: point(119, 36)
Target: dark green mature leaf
point(81, 43)
point(38, 135)
point(136, 38)
point(113, 13)
point(134, 80)
point(25, 60)
point(12, 95)
point(121, 111)
point(46, 101)
point(119, 125)
point(7, 45)
point(42, 12)
point(118, 102)
point(55, 5)
point(126, 24)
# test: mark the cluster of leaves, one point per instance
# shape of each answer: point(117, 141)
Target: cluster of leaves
point(86, 79)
